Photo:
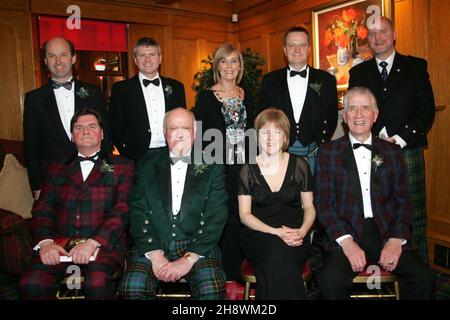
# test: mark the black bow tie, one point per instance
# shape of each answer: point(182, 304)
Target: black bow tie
point(294, 73)
point(357, 145)
point(185, 159)
point(56, 84)
point(155, 82)
point(92, 158)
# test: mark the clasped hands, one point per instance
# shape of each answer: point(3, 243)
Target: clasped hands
point(167, 271)
point(50, 252)
point(291, 236)
point(390, 254)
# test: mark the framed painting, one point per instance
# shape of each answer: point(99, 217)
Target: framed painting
point(340, 35)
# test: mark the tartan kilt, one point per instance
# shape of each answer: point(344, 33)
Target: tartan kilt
point(415, 165)
point(206, 278)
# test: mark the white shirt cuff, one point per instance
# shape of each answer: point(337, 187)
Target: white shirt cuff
point(149, 254)
point(342, 238)
point(38, 246)
point(402, 143)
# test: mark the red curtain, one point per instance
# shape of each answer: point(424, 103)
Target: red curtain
point(92, 36)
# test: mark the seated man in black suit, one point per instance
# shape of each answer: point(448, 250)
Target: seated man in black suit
point(138, 105)
point(49, 109)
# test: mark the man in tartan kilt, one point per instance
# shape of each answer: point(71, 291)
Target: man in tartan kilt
point(178, 212)
point(85, 197)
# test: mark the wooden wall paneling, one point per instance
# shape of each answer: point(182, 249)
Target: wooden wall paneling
point(437, 155)
point(251, 27)
point(129, 12)
point(404, 20)
point(276, 55)
point(14, 5)
point(167, 52)
point(185, 62)
point(411, 24)
point(17, 71)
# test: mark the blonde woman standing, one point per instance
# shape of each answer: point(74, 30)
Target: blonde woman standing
point(228, 108)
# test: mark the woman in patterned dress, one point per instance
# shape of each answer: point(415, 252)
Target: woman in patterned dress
point(228, 108)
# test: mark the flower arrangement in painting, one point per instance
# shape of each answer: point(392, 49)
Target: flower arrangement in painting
point(346, 30)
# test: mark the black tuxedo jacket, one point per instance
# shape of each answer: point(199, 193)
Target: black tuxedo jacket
point(320, 110)
point(44, 135)
point(405, 101)
point(129, 120)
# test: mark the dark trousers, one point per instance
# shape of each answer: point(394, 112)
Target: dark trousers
point(415, 279)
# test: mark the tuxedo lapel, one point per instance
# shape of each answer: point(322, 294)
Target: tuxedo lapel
point(374, 79)
point(310, 95)
point(167, 103)
point(188, 191)
point(78, 102)
point(74, 173)
point(139, 101)
point(375, 175)
point(51, 108)
point(395, 75)
point(94, 175)
point(164, 183)
point(349, 163)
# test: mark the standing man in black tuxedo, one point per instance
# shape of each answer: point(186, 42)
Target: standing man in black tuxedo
point(49, 109)
point(308, 96)
point(405, 98)
point(138, 105)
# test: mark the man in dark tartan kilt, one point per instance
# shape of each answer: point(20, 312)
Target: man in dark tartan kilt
point(178, 212)
point(86, 197)
point(405, 99)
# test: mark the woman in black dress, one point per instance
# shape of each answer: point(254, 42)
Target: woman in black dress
point(229, 109)
point(276, 209)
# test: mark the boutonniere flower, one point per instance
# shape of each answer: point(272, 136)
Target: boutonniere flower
point(83, 93)
point(199, 168)
point(377, 161)
point(316, 86)
point(168, 90)
point(106, 167)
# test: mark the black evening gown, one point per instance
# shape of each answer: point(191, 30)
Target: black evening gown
point(278, 267)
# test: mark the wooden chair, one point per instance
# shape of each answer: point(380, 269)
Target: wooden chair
point(64, 293)
point(175, 290)
point(385, 278)
point(247, 274)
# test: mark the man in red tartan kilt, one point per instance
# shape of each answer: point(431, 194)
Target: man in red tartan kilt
point(85, 197)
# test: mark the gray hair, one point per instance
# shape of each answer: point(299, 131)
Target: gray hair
point(361, 91)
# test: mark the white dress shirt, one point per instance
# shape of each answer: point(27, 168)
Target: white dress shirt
point(65, 100)
point(156, 109)
point(297, 91)
point(178, 178)
point(363, 158)
point(87, 166)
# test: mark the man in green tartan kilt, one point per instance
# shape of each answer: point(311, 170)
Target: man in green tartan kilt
point(178, 212)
